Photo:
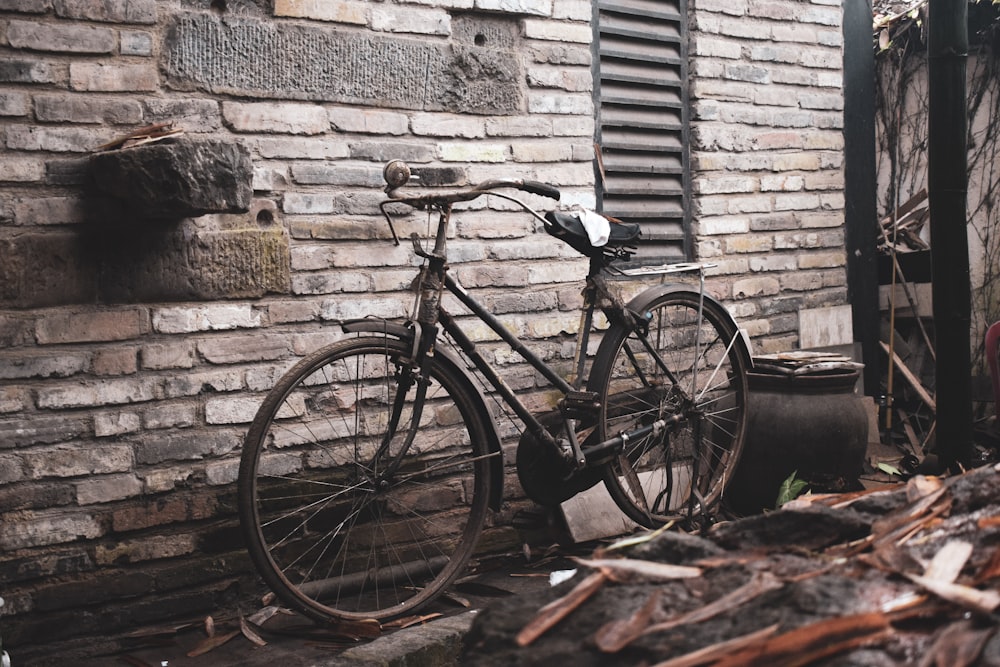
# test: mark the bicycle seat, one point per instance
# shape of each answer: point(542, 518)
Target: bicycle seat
point(567, 227)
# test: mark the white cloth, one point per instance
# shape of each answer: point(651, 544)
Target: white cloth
point(597, 226)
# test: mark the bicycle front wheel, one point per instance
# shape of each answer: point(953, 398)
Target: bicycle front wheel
point(688, 369)
point(357, 501)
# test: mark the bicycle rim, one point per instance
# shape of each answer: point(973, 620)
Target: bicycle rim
point(339, 521)
point(689, 369)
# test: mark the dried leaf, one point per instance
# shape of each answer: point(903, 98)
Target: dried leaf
point(641, 569)
point(549, 615)
point(209, 626)
point(948, 562)
point(131, 660)
point(635, 540)
point(810, 643)
point(958, 645)
point(760, 583)
point(211, 643)
point(966, 596)
point(616, 635)
point(410, 621)
point(991, 570)
point(716, 651)
point(250, 633)
point(262, 616)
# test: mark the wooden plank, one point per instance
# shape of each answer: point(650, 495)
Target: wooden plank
point(911, 378)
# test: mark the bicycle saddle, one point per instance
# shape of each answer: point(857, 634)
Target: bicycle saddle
point(567, 227)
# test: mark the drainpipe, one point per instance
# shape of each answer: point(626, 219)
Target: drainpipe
point(947, 48)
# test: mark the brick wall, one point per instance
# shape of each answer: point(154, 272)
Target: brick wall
point(767, 156)
point(121, 417)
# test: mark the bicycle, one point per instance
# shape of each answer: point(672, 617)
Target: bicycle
point(370, 468)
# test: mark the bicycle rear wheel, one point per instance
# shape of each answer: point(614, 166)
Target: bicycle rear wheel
point(690, 369)
point(343, 518)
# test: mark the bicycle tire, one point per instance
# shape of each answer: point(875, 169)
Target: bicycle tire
point(330, 529)
point(653, 478)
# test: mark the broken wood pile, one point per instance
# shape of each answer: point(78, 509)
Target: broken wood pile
point(907, 574)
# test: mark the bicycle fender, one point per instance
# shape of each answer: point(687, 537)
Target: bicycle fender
point(641, 301)
point(408, 335)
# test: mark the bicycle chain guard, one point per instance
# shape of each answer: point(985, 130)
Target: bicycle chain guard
point(543, 473)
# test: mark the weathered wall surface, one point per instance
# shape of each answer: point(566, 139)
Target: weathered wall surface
point(135, 350)
point(767, 157)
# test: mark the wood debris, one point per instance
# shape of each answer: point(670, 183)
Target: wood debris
point(924, 581)
point(144, 135)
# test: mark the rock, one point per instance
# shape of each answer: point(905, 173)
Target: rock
point(176, 178)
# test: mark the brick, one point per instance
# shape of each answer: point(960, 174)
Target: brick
point(191, 115)
point(41, 365)
point(56, 139)
point(162, 356)
point(50, 211)
point(98, 326)
point(472, 152)
point(115, 11)
point(43, 529)
point(333, 283)
point(230, 350)
point(539, 151)
point(107, 488)
point(782, 183)
point(440, 125)
point(98, 77)
point(193, 384)
point(353, 309)
point(518, 126)
point(116, 423)
point(75, 460)
point(309, 173)
point(368, 121)
point(12, 399)
point(184, 446)
point(43, 429)
point(21, 169)
point(13, 103)
point(76, 109)
point(60, 38)
point(314, 148)
point(26, 6)
point(11, 469)
point(383, 151)
point(231, 410)
point(720, 226)
point(529, 7)
point(755, 287)
point(822, 260)
point(18, 70)
point(283, 312)
point(277, 118)
point(306, 203)
point(145, 549)
point(135, 43)
point(166, 479)
point(561, 77)
point(173, 320)
point(104, 392)
point(557, 31)
point(222, 473)
point(557, 103)
point(117, 361)
point(322, 10)
point(574, 10)
point(402, 19)
point(169, 416)
point(34, 496)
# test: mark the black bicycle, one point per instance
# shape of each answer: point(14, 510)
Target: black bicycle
point(371, 467)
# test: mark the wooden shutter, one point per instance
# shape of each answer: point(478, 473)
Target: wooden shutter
point(642, 121)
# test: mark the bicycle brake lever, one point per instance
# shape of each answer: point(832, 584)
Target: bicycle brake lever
point(388, 219)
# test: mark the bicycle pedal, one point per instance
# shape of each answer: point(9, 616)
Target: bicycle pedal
point(578, 404)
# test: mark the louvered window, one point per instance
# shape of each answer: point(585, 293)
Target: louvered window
point(642, 123)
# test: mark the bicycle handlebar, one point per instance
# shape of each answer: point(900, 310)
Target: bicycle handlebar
point(397, 173)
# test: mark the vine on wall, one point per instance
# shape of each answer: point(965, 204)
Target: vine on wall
point(901, 131)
